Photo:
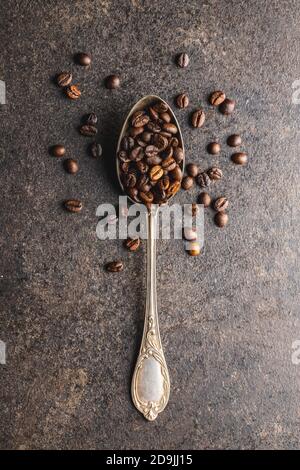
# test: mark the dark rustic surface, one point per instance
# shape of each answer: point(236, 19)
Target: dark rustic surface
point(228, 318)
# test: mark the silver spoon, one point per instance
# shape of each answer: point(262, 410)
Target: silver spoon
point(150, 387)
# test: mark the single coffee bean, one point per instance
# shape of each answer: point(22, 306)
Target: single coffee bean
point(115, 266)
point(122, 155)
point(192, 170)
point(215, 173)
point(182, 100)
point(151, 151)
point(58, 150)
point(73, 205)
point(125, 166)
point(194, 248)
point(198, 118)
point(127, 143)
point(214, 148)
point(153, 127)
point(182, 60)
point(136, 154)
point(165, 117)
point(153, 160)
point(160, 142)
point(221, 219)
point(112, 82)
point(169, 164)
point(142, 166)
point(83, 59)
point(135, 131)
point(205, 199)
point(64, 79)
point(129, 179)
point(203, 180)
point(73, 92)
point(96, 151)
point(168, 152)
point(189, 233)
point(133, 193)
point(234, 140)
point(140, 142)
point(174, 142)
point(239, 158)
point(153, 114)
point(132, 244)
point(146, 197)
point(217, 97)
point(71, 166)
point(178, 154)
point(146, 137)
point(221, 204)
point(88, 130)
point(140, 120)
point(227, 107)
point(91, 119)
point(187, 183)
point(173, 188)
point(156, 172)
point(163, 183)
point(161, 107)
point(169, 127)
point(176, 174)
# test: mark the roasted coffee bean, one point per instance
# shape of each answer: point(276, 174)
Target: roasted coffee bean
point(71, 166)
point(227, 107)
point(182, 100)
point(205, 199)
point(217, 97)
point(146, 197)
point(203, 180)
point(176, 174)
point(221, 219)
point(142, 166)
point(160, 196)
point(214, 148)
point(198, 118)
point(192, 170)
point(165, 117)
point(132, 244)
point(169, 127)
point(127, 143)
point(133, 193)
point(153, 160)
point(140, 142)
point(91, 119)
point(234, 140)
point(135, 131)
point(73, 205)
point(125, 166)
point(187, 183)
point(114, 266)
point(161, 107)
point(156, 172)
point(140, 120)
point(73, 92)
point(189, 233)
point(153, 127)
point(58, 150)
point(168, 152)
point(178, 154)
point(88, 130)
point(96, 151)
point(166, 134)
point(64, 79)
point(112, 82)
point(163, 183)
point(173, 188)
point(143, 183)
point(169, 164)
point(215, 173)
point(194, 248)
point(129, 180)
point(146, 136)
point(151, 151)
point(239, 158)
point(160, 142)
point(136, 154)
point(83, 59)
point(221, 204)
point(174, 142)
point(122, 155)
point(182, 60)
point(153, 114)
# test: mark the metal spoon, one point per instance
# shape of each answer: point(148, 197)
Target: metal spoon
point(150, 387)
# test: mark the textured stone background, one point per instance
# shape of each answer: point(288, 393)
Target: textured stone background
point(228, 318)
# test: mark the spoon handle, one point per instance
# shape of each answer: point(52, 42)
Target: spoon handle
point(150, 387)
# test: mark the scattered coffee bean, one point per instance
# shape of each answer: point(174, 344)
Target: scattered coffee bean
point(189, 233)
point(205, 199)
point(203, 180)
point(73, 92)
point(187, 183)
point(239, 158)
point(221, 219)
point(234, 140)
point(91, 119)
point(192, 170)
point(112, 82)
point(96, 150)
point(182, 60)
point(132, 244)
point(217, 98)
point(215, 173)
point(73, 205)
point(88, 130)
point(58, 150)
point(83, 59)
point(227, 107)
point(198, 118)
point(194, 248)
point(115, 266)
point(214, 148)
point(221, 204)
point(64, 79)
point(71, 166)
point(182, 100)
point(178, 154)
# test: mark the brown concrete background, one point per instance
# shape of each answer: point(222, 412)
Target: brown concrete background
point(228, 318)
